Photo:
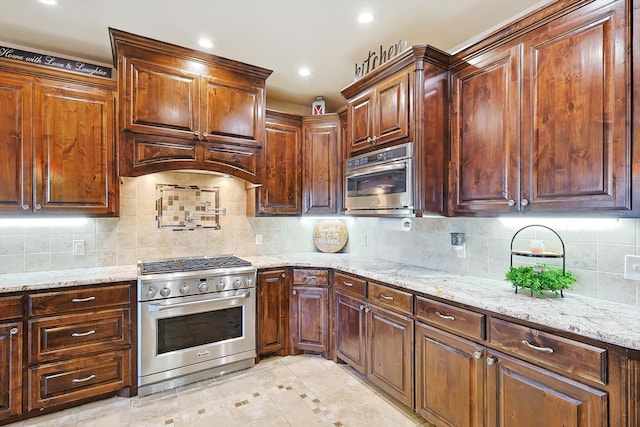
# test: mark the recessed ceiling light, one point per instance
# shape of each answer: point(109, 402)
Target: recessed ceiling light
point(206, 43)
point(365, 17)
point(49, 2)
point(304, 72)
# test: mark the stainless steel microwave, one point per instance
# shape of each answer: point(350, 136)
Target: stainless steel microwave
point(380, 182)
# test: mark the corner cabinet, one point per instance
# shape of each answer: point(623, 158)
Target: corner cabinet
point(273, 312)
point(184, 109)
point(538, 125)
point(59, 151)
point(406, 100)
point(310, 311)
point(322, 165)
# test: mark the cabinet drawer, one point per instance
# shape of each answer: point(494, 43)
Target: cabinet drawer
point(10, 307)
point(451, 318)
point(390, 298)
point(88, 298)
point(551, 350)
point(64, 382)
point(78, 334)
point(310, 277)
point(350, 284)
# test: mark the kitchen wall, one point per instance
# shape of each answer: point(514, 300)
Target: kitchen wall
point(595, 248)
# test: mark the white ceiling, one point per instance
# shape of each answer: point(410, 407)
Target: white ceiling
point(281, 35)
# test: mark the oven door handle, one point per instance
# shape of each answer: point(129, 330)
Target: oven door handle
point(398, 165)
point(160, 307)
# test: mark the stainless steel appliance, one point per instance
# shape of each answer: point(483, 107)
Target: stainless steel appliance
point(196, 320)
point(380, 182)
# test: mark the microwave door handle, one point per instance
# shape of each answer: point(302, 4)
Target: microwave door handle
point(379, 168)
point(160, 307)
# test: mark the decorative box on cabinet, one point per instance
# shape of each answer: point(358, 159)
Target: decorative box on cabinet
point(544, 143)
point(374, 334)
point(273, 312)
point(406, 100)
point(184, 109)
point(59, 131)
point(310, 311)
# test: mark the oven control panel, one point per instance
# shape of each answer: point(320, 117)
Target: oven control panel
point(188, 286)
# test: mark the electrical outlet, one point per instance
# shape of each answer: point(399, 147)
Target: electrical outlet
point(78, 247)
point(363, 239)
point(632, 267)
point(258, 239)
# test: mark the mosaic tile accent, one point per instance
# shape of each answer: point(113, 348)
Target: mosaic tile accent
point(187, 207)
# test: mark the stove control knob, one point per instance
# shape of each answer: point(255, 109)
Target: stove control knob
point(150, 293)
point(165, 292)
point(203, 287)
point(220, 285)
point(247, 282)
point(236, 283)
point(184, 289)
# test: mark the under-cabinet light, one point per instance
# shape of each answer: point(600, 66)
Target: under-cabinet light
point(564, 223)
point(43, 222)
point(49, 2)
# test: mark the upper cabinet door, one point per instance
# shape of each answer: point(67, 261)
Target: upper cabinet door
point(75, 150)
point(576, 139)
point(392, 109)
point(360, 121)
point(15, 146)
point(231, 112)
point(162, 101)
point(485, 134)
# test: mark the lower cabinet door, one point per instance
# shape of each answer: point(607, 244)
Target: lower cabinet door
point(76, 379)
point(350, 331)
point(310, 318)
point(390, 351)
point(10, 369)
point(523, 395)
point(450, 374)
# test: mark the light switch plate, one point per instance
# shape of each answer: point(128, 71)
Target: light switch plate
point(258, 239)
point(632, 267)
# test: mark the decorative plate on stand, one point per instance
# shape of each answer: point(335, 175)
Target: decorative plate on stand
point(330, 235)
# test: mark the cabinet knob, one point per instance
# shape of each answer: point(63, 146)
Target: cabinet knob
point(374, 139)
point(295, 292)
point(283, 275)
point(205, 134)
point(362, 307)
point(13, 331)
point(367, 309)
point(490, 361)
point(25, 207)
point(524, 202)
point(38, 206)
point(477, 355)
point(196, 133)
point(511, 202)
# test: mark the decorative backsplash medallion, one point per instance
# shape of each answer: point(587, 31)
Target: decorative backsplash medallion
point(187, 207)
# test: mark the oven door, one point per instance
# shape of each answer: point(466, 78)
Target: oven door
point(184, 335)
point(383, 188)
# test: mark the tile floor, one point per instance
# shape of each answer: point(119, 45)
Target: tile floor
point(303, 391)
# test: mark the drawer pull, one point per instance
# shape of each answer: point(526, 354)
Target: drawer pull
point(82, 334)
point(535, 347)
point(383, 296)
point(83, 299)
point(349, 284)
point(445, 316)
point(81, 380)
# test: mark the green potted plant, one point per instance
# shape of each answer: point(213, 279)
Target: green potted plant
point(540, 279)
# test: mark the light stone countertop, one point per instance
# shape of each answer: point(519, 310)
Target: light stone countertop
point(610, 322)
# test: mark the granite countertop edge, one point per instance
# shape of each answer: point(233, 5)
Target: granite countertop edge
point(606, 321)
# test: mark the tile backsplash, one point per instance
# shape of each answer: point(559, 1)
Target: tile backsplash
point(595, 248)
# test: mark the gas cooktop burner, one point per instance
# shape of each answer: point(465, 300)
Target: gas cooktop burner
point(192, 264)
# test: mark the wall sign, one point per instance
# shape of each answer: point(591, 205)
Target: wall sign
point(377, 58)
point(55, 62)
point(330, 235)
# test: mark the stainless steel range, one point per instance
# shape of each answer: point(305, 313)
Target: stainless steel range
point(196, 320)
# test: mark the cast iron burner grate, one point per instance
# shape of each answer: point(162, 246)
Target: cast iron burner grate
point(192, 264)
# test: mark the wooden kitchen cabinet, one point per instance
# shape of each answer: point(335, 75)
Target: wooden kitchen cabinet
point(406, 100)
point(11, 343)
point(279, 163)
point(322, 165)
point(557, 138)
point(60, 152)
point(310, 311)
point(375, 334)
point(273, 312)
point(185, 109)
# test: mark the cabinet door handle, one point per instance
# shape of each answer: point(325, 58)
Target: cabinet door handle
point(445, 316)
point(87, 299)
point(524, 202)
point(535, 347)
point(83, 334)
point(205, 134)
point(511, 202)
point(283, 275)
point(389, 298)
point(490, 361)
point(367, 309)
point(25, 207)
point(38, 206)
point(295, 292)
point(362, 307)
point(13, 331)
point(477, 355)
point(81, 380)
point(196, 133)
point(349, 284)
